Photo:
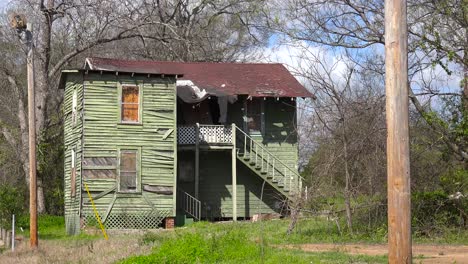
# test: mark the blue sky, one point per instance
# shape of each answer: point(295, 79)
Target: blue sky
point(3, 3)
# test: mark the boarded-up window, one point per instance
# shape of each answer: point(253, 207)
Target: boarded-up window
point(73, 174)
point(128, 170)
point(254, 115)
point(130, 104)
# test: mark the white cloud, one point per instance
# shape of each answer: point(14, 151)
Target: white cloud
point(299, 58)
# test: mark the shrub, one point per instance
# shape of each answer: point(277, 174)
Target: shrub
point(10, 203)
point(434, 211)
point(231, 246)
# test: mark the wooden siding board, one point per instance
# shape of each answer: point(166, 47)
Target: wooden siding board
point(280, 133)
point(72, 140)
point(104, 134)
point(216, 188)
point(215, 174)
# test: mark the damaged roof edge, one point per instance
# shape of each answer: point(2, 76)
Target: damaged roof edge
point(96, 64)
point(62, 78)
point(226, 78)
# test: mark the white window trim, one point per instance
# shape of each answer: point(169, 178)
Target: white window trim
point(74, 106)
point(73, 158)
point(138, 169)
point(140, 104)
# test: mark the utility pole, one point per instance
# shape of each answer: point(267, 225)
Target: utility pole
point(25, 33)
point(32, 141)
point(398, 163)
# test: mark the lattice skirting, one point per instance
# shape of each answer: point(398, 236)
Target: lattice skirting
point(129, 221)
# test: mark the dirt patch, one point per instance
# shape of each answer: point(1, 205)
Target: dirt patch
point(421, 253)
point(80, 251)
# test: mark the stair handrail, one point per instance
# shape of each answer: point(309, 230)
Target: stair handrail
point(273, 156)
point(189, 199)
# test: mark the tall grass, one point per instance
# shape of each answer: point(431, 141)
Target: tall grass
point(49, 227)
point(231, 243)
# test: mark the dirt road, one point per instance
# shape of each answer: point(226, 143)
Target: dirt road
point(422, 253)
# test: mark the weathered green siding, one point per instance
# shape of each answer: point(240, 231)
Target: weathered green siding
point(280, 135)
point(73, 139)
point(216, 188)
point(98, 133)
point(215, 194)
point(104, 135)
point(280, 130)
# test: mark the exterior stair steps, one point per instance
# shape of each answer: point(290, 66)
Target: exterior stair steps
point(266, 165)
point(189, 205)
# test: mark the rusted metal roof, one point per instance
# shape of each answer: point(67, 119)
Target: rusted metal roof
point(253, 79)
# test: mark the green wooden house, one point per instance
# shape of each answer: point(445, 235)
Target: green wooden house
point(152, 142)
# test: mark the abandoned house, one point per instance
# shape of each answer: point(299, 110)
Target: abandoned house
point(151, 142)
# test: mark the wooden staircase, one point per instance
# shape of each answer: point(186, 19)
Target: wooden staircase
point(190, 205)
point(269, 167)
point(253, 154)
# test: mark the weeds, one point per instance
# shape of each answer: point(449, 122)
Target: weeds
point(50, 227)
point(232, 243)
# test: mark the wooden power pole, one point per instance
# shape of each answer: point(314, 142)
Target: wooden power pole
point(398, 163)
point(32, 141)
point(25, 33)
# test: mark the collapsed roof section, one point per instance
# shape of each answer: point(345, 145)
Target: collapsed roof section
point(211, 78)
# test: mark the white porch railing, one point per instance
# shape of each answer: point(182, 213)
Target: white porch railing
point(206, 134)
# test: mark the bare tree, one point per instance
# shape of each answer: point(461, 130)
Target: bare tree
point(349, 123)
point(66, 30)
point(438, 38)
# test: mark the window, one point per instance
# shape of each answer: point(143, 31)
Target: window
point(73, 174)
point(130, 104)
point(253, 115)
point(128, 173)
point(74, 106)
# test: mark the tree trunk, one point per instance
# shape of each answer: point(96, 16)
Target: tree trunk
point(465, 80)
point(40, 197)
point(347, 192)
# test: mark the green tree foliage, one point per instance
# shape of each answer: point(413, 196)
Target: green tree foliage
point(11, 202)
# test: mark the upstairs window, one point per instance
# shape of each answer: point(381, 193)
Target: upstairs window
point(74, 106)
point(73, 173)
point(254, 115)
point(130, 104)
point(128, 178)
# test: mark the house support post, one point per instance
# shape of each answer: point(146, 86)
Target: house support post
point(234, 173)
point(197, 159)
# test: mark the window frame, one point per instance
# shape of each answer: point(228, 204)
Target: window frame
point(140, 103)
point(138, 169)
point(260, 132)
point(73, 173)
point(74, 107)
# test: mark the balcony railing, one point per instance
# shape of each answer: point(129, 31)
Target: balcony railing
point(206, 134)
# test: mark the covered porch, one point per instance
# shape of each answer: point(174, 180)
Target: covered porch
point(221, 170)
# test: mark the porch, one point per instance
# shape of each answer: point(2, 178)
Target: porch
point(221, 169)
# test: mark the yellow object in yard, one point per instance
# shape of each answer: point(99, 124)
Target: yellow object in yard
point(96, 212)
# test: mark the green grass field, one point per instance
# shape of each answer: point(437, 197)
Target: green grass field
point(232, 243)
point(241, 242)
